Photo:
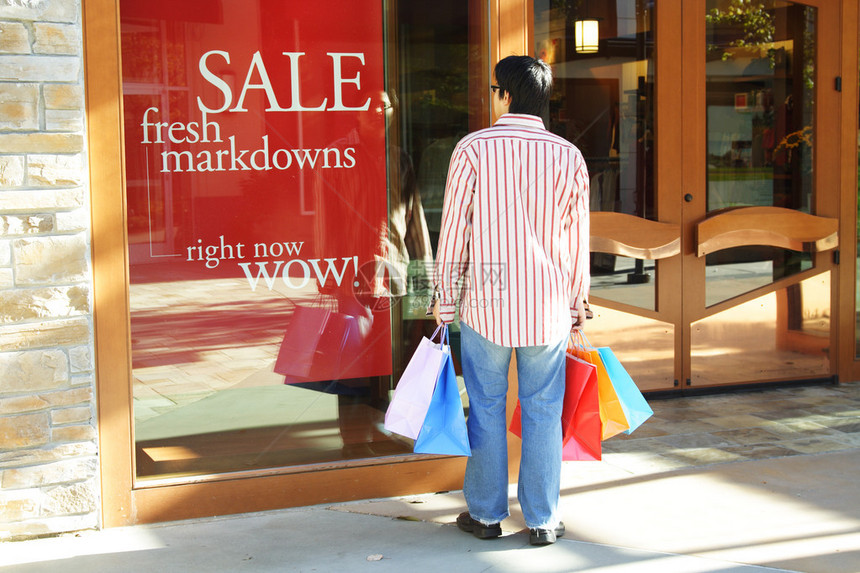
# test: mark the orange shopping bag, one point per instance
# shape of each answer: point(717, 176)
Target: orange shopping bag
point(612, 417)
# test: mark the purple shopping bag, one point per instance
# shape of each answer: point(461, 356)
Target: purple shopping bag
point(408, 407)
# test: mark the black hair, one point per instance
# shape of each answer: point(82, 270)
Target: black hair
point(528, 80)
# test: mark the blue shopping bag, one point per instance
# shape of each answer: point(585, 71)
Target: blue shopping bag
point(635, 408)
point(444, 429)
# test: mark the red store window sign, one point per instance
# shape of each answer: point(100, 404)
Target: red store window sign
point(255, 149)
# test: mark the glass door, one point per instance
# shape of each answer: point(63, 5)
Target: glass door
point(713, 202)
point(758, 274)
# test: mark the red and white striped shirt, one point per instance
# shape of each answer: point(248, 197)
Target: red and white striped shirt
point(513, 247)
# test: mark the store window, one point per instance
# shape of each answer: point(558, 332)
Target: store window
point(283, 166)
point(602, 55)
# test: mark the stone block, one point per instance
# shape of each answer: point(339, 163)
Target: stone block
point(20, 458)
point(40, 68)
point(14, 38)
point(50, 302)
point(70, 221)
point(21, 405)
point(86, 379)
point(26, 224)
point(74, 434)
point(5, 252)
point(55, 170)
point(81, 359)
point(20, 504)
point(44, 10)
point(19, 107)
point(55, 473)
point(63, 96)
point(47, 526)
point(45, 334)
point(69, 120)
point(69, 397)
point(48, 199)
point(7, 279)
point(11, 171)
point(76, 415)
point(46, 260)
point(33, 370)
point(24, 431)
point(41, 142)
point(71, 499)
point(51, 38)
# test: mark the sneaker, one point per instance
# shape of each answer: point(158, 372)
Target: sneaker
point(546, 536)
point(476, 528)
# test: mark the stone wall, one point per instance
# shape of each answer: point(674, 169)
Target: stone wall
point(48, 448)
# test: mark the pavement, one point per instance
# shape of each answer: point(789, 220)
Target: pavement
point(654, 504)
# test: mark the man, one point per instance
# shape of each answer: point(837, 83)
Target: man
point(513, 253)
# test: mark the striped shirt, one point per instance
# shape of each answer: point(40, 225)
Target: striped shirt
point(513, 247)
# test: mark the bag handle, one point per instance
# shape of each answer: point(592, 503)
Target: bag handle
point(443, 339)
point(578, 338)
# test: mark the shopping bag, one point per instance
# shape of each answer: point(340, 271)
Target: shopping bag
point(580, 416)
point(444, 430)
point(414, 390)
point(317, 346)
point(636, 409)
point(612, 415)
point(298, 349)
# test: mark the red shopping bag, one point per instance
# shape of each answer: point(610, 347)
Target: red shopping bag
point(580, 416)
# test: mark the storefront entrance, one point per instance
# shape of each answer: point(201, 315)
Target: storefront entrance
point(714, 199)
point(264, 222)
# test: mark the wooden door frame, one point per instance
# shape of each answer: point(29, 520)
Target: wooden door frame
point(123, 501)
point(849, 365)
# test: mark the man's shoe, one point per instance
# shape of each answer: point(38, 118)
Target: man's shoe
point(476, 528)
point(546, 536)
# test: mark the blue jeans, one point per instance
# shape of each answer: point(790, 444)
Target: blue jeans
point(540, 370)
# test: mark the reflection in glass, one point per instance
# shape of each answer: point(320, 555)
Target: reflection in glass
point(288, 361)
point(649, 356)
point(760, 109)
point(435, 81)
point(782, 335)
point(603, 102)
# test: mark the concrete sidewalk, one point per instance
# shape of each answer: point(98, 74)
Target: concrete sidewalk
point(798, 513)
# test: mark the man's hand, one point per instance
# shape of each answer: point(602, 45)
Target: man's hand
point(436, 313)
point(579, 324)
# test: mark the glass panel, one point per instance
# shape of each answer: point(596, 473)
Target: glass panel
point(760, 109)
point(623, 279)
point(272, 214)
point(603, 102)
point(649, 357)
point(781, 335)
point(733, 272)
